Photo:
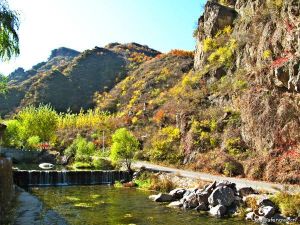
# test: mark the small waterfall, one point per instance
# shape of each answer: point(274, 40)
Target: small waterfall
point(26, 178)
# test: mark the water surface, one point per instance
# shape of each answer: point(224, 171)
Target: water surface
point(105, 205)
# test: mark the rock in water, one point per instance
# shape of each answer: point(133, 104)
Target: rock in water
point(176, 204)
point(191, 201)
point(177, 193)
point(221, 196)
point(218, 211)
point(161, 198)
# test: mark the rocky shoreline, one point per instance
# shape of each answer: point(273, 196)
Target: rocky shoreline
point(223, 199)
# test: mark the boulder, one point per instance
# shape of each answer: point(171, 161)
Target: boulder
point(202, 207)
point(161, 198)
point(190, 201)
point(222, 196)
point(238, 200)
point(226, 183)
point(250, 216)
point(210, 188)
point(245, 191)
point(218, 211)
point(265, 201)
point(177, 193)
point(203, 197)
point(176, 204)
point(267, 211)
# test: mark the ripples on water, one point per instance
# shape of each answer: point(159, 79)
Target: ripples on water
point(93, 205)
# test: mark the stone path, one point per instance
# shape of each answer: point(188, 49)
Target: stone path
point(30, 211)
point(240, 182)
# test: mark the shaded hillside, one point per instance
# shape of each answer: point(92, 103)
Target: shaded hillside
point(69, 82)
point(58, 57)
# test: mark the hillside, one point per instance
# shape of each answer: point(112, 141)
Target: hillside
point(236, 112)
point(231, 107)
point(76, 76)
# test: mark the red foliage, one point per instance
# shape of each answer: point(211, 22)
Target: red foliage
point(159, 56)
point(286, 147)
point(44, 145)
point(159, 116)
point(280, 61)
point(290, 27)
point(178, 52)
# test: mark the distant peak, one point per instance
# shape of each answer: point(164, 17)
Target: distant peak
point(64, 52)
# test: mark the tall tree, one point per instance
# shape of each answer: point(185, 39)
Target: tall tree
point(3, 84)
point(124, 146)
point(9, 39)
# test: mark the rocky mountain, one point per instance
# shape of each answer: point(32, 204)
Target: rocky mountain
point(58, 57)
point(236, 111)
point(73, 75)
point(230, 107)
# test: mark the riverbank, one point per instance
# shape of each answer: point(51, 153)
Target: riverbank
point(240, 182)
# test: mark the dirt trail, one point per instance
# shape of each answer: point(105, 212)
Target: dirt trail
point(240, 182)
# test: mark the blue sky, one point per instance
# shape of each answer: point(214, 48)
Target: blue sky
point(84, 24)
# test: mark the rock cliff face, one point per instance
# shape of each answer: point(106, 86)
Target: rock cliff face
point(257, 43)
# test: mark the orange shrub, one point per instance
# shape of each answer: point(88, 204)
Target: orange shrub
point(178, 52)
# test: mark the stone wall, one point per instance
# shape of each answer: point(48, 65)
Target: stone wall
point(19, 155)
point(6, 187)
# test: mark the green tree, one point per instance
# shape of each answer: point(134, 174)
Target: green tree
point(3, 84)
point(82, 149)
point(124, 146)
point(9, 39)
point(41, 122)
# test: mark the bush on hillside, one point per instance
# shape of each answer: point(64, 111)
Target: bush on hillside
point(165, 145)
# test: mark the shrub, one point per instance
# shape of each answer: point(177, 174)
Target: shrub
point(234, 146)
point(288, 204)
point(209, 44)
point(152, 181)
point(178, 52)
point(229, 168)
point(124, 146)
point(223, 55)
point(33, 142)
point(81, 165)
point(161, 184)
point(81, 149)
point(164, 145)
point(11, 136)
point(41, 121)
point(102, 164)
point(203, 131)
point(275, 3)
point(267, 54)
